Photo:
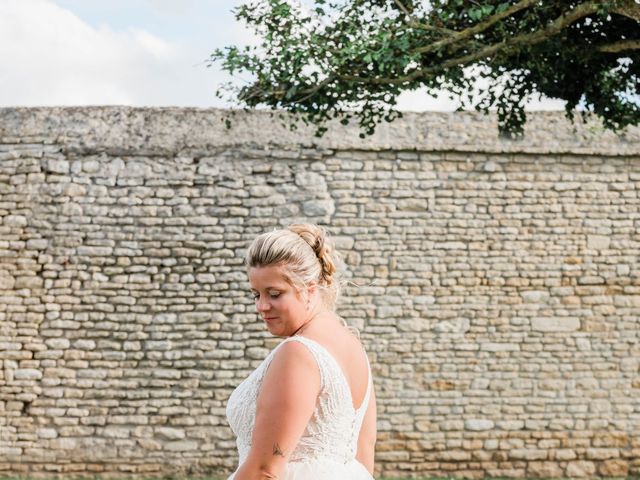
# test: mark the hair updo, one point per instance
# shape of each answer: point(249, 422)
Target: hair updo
point(307, 254)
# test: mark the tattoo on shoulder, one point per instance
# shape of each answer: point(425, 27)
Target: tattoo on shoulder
point(277, 451)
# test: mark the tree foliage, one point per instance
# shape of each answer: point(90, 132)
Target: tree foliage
point(347, 59)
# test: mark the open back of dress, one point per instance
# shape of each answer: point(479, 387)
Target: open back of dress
point(328, 447)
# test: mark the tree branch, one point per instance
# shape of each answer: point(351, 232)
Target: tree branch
point(620, 46)
point(515, 43)
point(403, 8)
point(630, 9)
point(480, 27)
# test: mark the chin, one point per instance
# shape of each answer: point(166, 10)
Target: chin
point(274, 332)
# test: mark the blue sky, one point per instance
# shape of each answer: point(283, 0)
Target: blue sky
point(126, 52)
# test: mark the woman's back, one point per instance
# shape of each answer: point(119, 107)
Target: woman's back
point(329, 444)
point(348, 352)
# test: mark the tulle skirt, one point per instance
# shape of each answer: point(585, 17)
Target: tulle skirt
point(324, 469)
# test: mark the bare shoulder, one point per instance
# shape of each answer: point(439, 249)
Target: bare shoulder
point(293, 358)
point(293, 350)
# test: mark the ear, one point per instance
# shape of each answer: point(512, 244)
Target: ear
point(312, 288)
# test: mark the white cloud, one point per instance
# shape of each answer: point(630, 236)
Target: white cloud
point(51, 57)
point(419, 100)
point(172, 6)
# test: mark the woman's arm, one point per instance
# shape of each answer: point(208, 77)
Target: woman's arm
point(286, 402)
point(368, 432)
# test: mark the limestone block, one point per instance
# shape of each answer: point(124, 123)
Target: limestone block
point(510, 424)
point(423, 299)
point(286, 211)
point(311, 181)
point(167, 374)
point(158, 345)
point(580, 469)
point(600, 406)
point(205, 278)
point(165, 318)
point(564, 186)
point(27, 374)
point(7, 282)
point(413, 205)
point(598, 242)
point(453, 456)
point(82, 344)
point(181, 446)
point(452, 246)
point(208, 170)
point(389, 311)
point(583, 344)
point(6, 452)
point(318, 208)
point(37, 244)
point(564, 454)
point(261, 191)
point(63, 444)
point(478, 425)
point(139, 278)
point(94, 251)
point(16, 221)
point(5, 346)
point(135, 169)
point(555, 324)
point(544, 470)
point(134, 346)
point(412, 325)
point(451, 425)
point(535, 296)
point(170, 433)
point(528, 454)
point(614, 468)
point(602, 453)
point(500, 347)
point(57, 343)
point(257, 353)
point(47, 433)
point(116, 432)
point(74, 190)
point(627, 301)
point(60, 166)
point(129, 419)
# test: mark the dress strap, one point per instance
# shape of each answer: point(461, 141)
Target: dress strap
point(311, 346)
point(367, 395)
point(315, 348)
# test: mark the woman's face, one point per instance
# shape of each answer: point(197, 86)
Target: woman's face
point(281, 305)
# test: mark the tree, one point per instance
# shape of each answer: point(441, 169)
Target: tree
point(346, 59)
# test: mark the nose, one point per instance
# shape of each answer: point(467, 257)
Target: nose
point(262, 304)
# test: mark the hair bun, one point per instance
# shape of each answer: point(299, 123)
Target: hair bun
point(322, 246)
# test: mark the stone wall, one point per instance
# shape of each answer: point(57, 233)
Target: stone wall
point(496, 285)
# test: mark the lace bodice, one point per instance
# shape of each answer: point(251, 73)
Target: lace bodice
point(335, 425)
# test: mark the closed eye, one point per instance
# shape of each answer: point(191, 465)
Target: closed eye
point(274, 295)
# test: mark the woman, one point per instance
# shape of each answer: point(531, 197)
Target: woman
point(308, 412)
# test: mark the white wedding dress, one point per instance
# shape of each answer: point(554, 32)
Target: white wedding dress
point(328, 446)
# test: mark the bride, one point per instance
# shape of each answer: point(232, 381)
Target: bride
point(308, 412)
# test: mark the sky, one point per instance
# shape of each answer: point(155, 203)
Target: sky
point(129, 52)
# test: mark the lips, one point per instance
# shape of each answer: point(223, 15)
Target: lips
point(268, 319)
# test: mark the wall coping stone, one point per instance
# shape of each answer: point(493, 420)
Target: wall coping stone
point(166, 130)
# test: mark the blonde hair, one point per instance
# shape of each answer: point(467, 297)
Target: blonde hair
point(307, 254)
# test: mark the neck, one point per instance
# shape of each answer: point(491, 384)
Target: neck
point(315, 313)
